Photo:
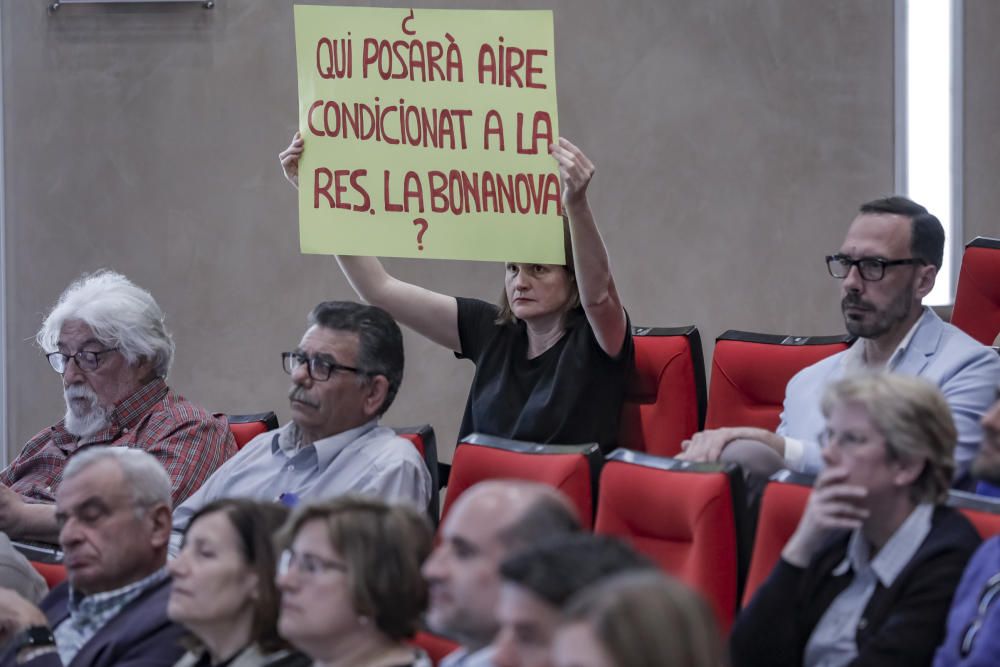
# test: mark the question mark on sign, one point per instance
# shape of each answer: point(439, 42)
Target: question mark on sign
point(420, 222)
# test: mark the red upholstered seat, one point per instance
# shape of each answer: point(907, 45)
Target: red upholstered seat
point(750, 371)
point(425, 441)
point(435, 646)
point(665, 400)
point(53, 573)
point(681, 515)
point(572, 469)
point(247, 427)
point(781, 507)
point(977, 297)
point(982, 511)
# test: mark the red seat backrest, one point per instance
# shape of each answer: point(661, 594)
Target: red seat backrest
point(53, 573)
point(425, 442)
point(977, 296)
point(435, 646)
point(665, 399)
point(780, 510)
point(569, 468)
point(982, 511)
point(682, 518)
point(986, 524)
point(414, 438)
point(247, 427)
point(750, 372)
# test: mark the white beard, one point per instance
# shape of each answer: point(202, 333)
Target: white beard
point(91, 418)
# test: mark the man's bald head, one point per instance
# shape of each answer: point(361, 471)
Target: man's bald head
point(487, 523)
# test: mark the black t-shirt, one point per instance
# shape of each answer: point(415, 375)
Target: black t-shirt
point(570, 394)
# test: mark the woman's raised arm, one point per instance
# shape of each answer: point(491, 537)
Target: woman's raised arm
point(598, 294)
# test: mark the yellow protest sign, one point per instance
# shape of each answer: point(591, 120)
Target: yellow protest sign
point(427, 132)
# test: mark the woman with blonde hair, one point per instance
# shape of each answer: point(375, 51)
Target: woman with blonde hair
point(642, 619)
point(352, 592)
point(868, 575)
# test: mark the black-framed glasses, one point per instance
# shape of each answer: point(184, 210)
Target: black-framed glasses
point(870, 268)
point(306, 563)
point(86, 360)
point(990, 591)
point(319, 368)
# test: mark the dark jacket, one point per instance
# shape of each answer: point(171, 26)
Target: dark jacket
point(140, 635)
point(902, 624)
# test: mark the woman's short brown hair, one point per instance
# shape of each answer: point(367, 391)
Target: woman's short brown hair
point(913, 417)
point(506, 315)
point(629, 613)
point(383, 547)
point(255, 524)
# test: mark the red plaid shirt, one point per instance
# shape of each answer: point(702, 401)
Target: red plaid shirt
point(189, 442)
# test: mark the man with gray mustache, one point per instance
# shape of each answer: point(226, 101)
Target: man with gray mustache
point(887, 265)
point(345, 374)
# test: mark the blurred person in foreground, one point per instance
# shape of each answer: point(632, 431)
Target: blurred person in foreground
point(487, 523)
point(537, 582)
point(113, 510)
point(972, 638)
point(351, 589)
point(638, 619)
point(224, 589)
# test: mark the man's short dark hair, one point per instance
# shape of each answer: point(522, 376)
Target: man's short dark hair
point(557, 568)
point(547, 516)
point(926, 232)
point(380, 340)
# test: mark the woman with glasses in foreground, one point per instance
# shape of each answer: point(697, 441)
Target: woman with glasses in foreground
point(352, 592)
point(868, 575)
point(224, 590)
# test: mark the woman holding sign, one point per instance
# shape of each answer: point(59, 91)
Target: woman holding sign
point(553, 356)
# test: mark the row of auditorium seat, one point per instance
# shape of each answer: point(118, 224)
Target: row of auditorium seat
point(666, 401)
point(690, 518)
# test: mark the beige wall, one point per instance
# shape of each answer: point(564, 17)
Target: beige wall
point(733, 140)
point(981, 119)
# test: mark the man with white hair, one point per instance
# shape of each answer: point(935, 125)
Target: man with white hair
point(106, 338)
point(112, 610)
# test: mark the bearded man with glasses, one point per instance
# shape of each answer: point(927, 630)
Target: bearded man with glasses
point(885, 267)
point(106, 338)
point(345, 373)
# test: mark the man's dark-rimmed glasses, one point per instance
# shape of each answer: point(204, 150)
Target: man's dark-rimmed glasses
point(870, 268)
point(318, 368)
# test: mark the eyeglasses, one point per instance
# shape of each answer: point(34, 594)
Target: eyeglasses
point(308, 564)
point(870, 268)
point(990, 591)
point(318, 368)
point(86, 360)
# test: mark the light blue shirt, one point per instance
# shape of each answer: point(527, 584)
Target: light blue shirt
point(369, 459)
point(966, 371)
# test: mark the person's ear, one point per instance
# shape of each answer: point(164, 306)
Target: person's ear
point(926, 275)
point(161, 520)
point(376, 392)
point(908, 471)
